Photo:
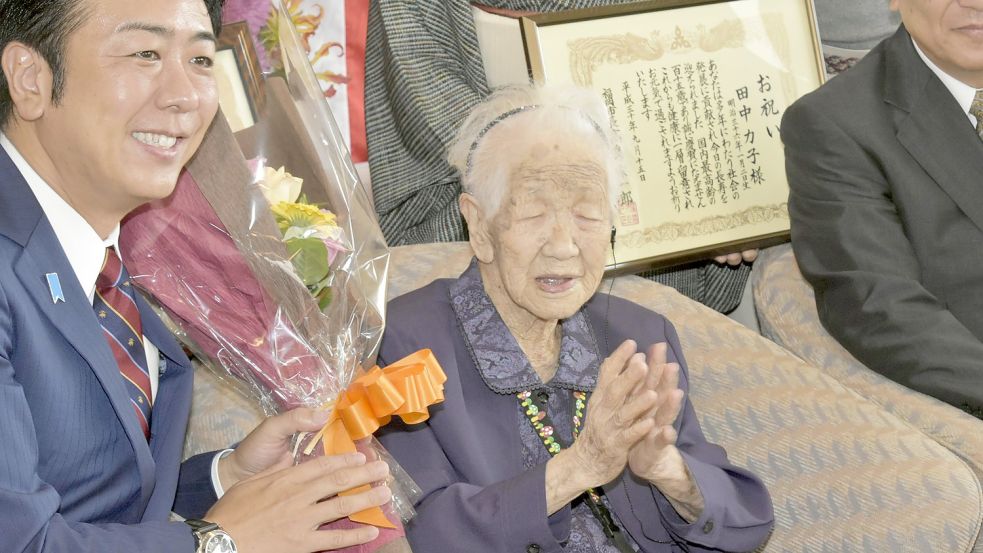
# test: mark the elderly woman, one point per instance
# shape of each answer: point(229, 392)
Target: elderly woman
point(566, 426)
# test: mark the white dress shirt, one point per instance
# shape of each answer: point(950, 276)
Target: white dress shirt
point(86, 251)
point(962, 92)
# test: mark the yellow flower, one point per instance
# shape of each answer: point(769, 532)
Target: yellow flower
point(280, 186)
point(302, 216)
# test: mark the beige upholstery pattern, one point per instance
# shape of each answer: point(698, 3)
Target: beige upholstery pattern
point(845, 475)
point(220, 414)
point(786, 309)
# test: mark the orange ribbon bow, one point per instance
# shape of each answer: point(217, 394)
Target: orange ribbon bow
point(405, 388)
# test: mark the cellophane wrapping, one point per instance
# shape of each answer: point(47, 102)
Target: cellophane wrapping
point(224, 256)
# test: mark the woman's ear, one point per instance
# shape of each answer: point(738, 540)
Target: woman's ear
point(478, 234)
point(29, 80)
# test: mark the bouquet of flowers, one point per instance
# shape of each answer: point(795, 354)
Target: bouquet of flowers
point(311, 234)
point(269, 263)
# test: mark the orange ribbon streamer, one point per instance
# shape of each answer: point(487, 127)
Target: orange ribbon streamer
point(405, 388)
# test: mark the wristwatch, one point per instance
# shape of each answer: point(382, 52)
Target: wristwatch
point(210, 538)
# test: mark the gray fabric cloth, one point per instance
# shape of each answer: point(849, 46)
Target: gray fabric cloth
point(855, 24)
point(849, 28)
point(717, 286)
point(423, 75)
point(506, 370)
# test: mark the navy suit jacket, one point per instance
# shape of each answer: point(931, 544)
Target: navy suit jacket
point(76, 473)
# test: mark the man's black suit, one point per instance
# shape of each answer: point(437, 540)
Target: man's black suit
point(886, 176)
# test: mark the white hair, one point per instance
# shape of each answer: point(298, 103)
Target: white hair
point(571, 112)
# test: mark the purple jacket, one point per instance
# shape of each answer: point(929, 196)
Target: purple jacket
point(477, 494)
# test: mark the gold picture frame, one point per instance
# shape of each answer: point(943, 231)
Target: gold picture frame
point(238, 76)
point(696, 90)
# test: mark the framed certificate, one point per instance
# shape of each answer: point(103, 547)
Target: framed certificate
point(696, 89)
point(238, 76)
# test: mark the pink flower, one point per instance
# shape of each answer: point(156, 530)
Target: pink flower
point(334, 248)
point(255, 13)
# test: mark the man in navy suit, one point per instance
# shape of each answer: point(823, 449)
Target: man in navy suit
point(102, 102)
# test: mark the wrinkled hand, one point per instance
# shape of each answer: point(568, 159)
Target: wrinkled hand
point(281, 509)
point(619, 414)
point(268, 445)
point(650, 458)
point(734, 259)
point(655, 457)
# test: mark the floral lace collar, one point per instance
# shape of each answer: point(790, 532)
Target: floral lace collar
point(500, 361)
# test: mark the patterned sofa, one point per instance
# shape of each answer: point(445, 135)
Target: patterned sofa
point(787, 314)
point(845, 473)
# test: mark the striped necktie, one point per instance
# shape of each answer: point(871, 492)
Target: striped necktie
point(976, 110)
point(115, 306)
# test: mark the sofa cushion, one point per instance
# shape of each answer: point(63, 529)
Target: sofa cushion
point(787, 314)
point(843, 472)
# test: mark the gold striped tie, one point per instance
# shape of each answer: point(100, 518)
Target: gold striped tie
point(976, 109)
point(115, 305)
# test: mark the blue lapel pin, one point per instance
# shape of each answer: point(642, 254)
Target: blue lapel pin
point(54, 285)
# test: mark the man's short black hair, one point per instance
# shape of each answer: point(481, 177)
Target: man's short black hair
point(214, 12)
point(45, 26)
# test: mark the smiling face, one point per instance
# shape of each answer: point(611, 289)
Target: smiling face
point(950, 32)
point(548, 242)
point(138, 97)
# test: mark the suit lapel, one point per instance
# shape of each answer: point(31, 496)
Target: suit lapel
point(157, 333)
point(944, 143)
point(74, 317)
point(935, 131)
point(171, 408)
point(175, 367)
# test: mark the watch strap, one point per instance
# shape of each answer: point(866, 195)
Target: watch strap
point(199, 528)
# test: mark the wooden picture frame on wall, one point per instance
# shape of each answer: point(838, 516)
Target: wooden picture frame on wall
point(696, 90)
point(238, 76)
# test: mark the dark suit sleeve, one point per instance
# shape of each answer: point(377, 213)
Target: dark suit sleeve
point(850, 244)
point(30, 521)
point(195, 491)
point(737, 513)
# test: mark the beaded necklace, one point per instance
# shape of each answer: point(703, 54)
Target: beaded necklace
point(534, 406)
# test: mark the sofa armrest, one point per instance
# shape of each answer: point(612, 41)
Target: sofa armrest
point(786, 308)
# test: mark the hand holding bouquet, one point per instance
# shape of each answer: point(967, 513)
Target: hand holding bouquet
point(272, 289)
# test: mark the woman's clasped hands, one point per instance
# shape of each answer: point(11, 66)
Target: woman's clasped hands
point(629, 423)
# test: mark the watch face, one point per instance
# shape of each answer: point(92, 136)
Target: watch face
point(218, 542)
